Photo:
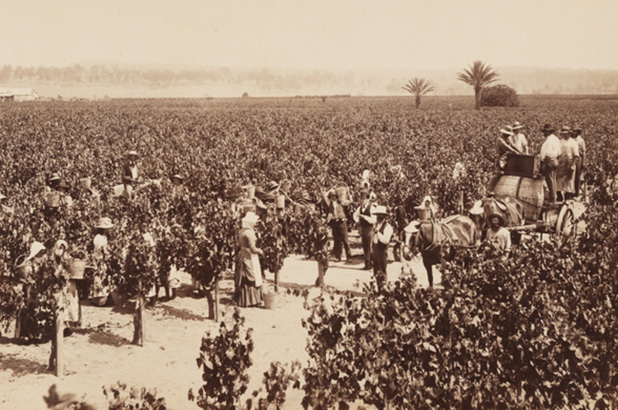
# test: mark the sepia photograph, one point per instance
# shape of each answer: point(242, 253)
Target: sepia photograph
point(308, 204)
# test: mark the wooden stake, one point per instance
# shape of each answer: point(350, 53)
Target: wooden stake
point(461, 202)
point(216, 312)
point(277, 281)
point(57, 347)
point(139, 331)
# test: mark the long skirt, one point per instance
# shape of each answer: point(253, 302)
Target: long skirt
point(247, 268)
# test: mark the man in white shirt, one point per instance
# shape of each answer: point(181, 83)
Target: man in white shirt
point(365, 219)
point(498, 234)
point(518, 139)
point(580, 163)
point(550, 151)
point(382, 233)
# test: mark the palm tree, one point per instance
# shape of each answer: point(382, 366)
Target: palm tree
point(418, 87)
point(478, 76)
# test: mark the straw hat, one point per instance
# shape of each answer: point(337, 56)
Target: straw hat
point(379, 210)
point(104, 223)
point(178, 177)
point(272, 185)
point(517, 125)
point(54, 177)
point(331, 193)
point(35, 249)
point(2, 197)
point(132, 153)
point(508, 130)
point(565, 129)
point(426, 203)
point(477, 208)
point(250, 218)
point(412, 227)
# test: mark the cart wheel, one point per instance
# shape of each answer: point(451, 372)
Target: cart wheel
point(565, 225)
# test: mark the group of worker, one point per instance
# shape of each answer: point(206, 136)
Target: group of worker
point(561, 158)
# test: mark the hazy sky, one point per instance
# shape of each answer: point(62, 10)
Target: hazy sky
point(327, 34)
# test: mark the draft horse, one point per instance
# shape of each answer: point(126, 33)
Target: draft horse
point(439, 239)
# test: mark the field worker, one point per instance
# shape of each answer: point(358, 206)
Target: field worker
point(497, 234)
point(382, 233)
point(337, 220)
point(364, 217)
point(248, 272)
point(100, 289)
point(503, 147)
point(518, 139)
point(130, 173)
point(427, 210)
point(550, 151)
point(178, 188)
point(580, 162)
point(565, 174)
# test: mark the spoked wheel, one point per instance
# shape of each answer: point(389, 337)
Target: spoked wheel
point(565, 225)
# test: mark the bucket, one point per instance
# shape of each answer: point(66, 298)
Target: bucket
point(280, 201)
point(271, 300)
point(85, 183)
point(77, 266)
point(52, 199)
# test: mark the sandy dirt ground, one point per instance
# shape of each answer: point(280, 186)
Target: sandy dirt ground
point(101, 353)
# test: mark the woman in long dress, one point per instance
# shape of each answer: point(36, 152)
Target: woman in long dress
point(248, 273)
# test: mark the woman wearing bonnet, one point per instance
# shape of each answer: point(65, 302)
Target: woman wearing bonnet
point(248, 273)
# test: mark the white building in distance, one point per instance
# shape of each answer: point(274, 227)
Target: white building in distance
point(18, 94)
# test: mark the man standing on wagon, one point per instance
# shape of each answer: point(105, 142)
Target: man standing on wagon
point(550, 151)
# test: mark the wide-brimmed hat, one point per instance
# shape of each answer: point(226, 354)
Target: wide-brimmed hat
point(577, 128)
point(425, 203)
point(132, 153)
point(507, 130)
point(178, 177)
point(379, 210)
point(2, 197)
point(54, 177)
point(35, 248)
point(517, 125)
point(412, 227)
point(548, 128)
point(566, 130)
point(330, 193)
point(499, 216)
point(272, 185)
point(251, 218)
point(104, 223)
point(477, 208)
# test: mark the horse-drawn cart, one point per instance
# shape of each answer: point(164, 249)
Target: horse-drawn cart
point(521, 193)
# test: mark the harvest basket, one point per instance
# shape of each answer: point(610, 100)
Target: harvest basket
point(77, 266)
point(271, 300)
point(52, 199)
point(85, 183)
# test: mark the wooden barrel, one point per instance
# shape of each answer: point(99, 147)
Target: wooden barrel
point(528, 191)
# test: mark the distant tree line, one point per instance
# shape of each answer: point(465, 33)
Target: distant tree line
point(110, 74)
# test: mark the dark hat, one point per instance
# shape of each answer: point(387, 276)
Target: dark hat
point(499, 216)
point(548, 128)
